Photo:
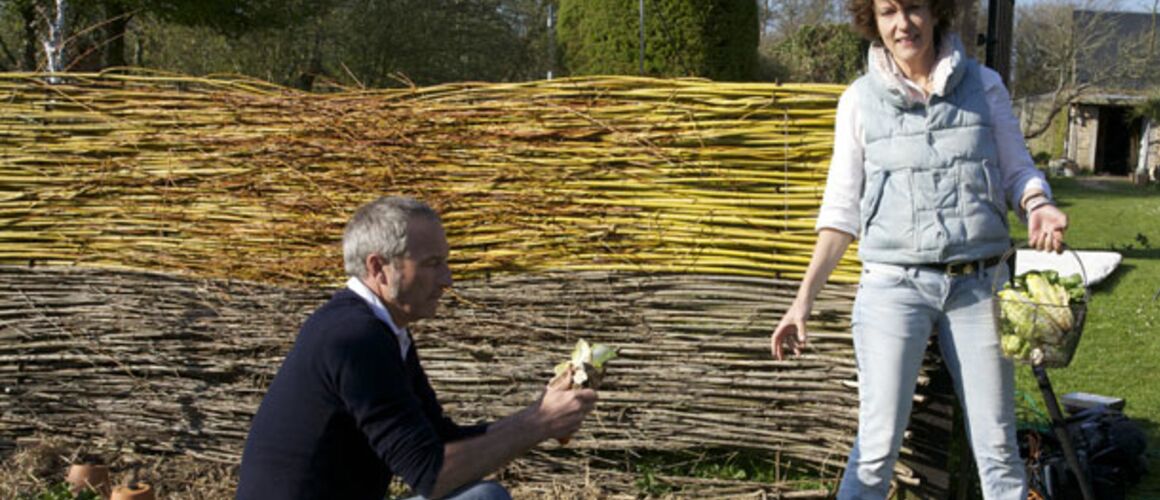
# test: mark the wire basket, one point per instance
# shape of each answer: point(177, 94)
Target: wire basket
point(1035, 332)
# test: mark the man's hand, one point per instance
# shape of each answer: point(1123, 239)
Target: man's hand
point(557, 414)
point(790, 332)
point(1045, 228)
point(561, 411)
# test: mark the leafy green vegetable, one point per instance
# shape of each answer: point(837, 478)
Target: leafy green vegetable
point(587, 363)
point(1052, 300)
point(1036, 318)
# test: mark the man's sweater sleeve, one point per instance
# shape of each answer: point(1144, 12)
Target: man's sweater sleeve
point(445, 427)
point(370, 379)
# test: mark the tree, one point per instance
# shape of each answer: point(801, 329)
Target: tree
point(781, 19)
point(95, 32)
point(370, 43)
point(231, 17)
point(429, 41)
point(21, 41)
point(820, 53)
point(709, 38)
point(1063, 51)
point(807, 40)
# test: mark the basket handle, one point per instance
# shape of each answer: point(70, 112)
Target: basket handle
point(1087, 293)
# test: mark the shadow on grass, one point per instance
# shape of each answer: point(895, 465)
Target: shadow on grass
point(1085, 187)
point(1108, 285)
point(1139, 253)
point(1149, 485)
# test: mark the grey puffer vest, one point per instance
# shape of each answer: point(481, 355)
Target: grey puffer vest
point(933, 191)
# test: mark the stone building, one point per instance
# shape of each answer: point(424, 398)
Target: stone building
point(1098, 131)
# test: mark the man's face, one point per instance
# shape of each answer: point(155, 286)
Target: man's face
point(418, 279)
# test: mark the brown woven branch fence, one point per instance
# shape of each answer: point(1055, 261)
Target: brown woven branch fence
point(152, 364)
point(164, 237)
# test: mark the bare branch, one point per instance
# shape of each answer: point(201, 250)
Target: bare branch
point(1069, 48)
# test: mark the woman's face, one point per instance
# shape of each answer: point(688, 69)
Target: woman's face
point(907, 31)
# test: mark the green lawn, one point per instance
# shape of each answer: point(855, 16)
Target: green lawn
point(1119, 352)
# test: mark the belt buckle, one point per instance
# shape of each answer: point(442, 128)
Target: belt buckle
point(960, 268)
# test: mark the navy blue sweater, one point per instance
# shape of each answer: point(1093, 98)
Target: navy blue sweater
point(345, 413)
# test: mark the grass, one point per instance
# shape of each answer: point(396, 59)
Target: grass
point(60, 491)
point(1120, 346)
point(649, 467)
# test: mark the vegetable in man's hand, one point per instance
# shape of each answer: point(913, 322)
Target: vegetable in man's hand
point(584, 370)
point(587, 365)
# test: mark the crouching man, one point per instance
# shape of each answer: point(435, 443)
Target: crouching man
point(351, 406)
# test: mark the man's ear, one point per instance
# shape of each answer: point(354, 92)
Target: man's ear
point(374, 268)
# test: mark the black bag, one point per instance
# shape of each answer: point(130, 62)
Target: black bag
point(1110, 449)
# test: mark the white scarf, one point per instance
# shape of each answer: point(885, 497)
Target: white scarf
point(949, 55)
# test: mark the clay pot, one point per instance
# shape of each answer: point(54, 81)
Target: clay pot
point(83, 477)
point(135, 491)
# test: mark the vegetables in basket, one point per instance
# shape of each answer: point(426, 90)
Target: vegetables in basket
point(1036, 314)
point(584, 369)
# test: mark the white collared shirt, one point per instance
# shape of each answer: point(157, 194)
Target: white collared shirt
point(380, 311)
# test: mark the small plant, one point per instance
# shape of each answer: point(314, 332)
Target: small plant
point(648, 483)
point(722, 464)
point(60, 491)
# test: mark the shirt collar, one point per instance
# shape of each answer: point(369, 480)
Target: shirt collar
point(380, 311)
point(949, 57)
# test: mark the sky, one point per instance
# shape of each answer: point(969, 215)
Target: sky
point(1121, 5)
point(1133, 5)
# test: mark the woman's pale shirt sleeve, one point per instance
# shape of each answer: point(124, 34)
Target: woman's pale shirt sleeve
point(1015, 164)
point(841, 203)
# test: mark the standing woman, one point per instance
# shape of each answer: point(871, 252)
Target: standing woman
point(927, 158)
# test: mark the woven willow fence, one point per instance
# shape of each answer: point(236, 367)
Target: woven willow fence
point(164, 237)
point(226, 179)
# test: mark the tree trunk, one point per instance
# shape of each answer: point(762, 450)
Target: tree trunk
point(31, 40)
point(968, 27)
point(314, 68)
point(118, 18)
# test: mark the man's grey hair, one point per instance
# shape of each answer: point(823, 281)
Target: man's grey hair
point(380, 228)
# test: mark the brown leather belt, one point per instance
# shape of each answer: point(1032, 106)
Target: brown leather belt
point(964, 267)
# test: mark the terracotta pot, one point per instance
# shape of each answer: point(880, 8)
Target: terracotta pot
point(135, 491)
point(82, 477)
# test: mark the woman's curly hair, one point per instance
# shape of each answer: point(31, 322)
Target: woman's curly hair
point(864, 23)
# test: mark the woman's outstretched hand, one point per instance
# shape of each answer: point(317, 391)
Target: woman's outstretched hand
point(1045, 228)
point(790, 332)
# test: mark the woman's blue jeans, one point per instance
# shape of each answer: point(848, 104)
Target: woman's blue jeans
point(896, 309)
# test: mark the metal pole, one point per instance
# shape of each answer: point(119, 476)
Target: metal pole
point(992, 33)
point(1000, 22)
point(1060, 426)
point(641, 58)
